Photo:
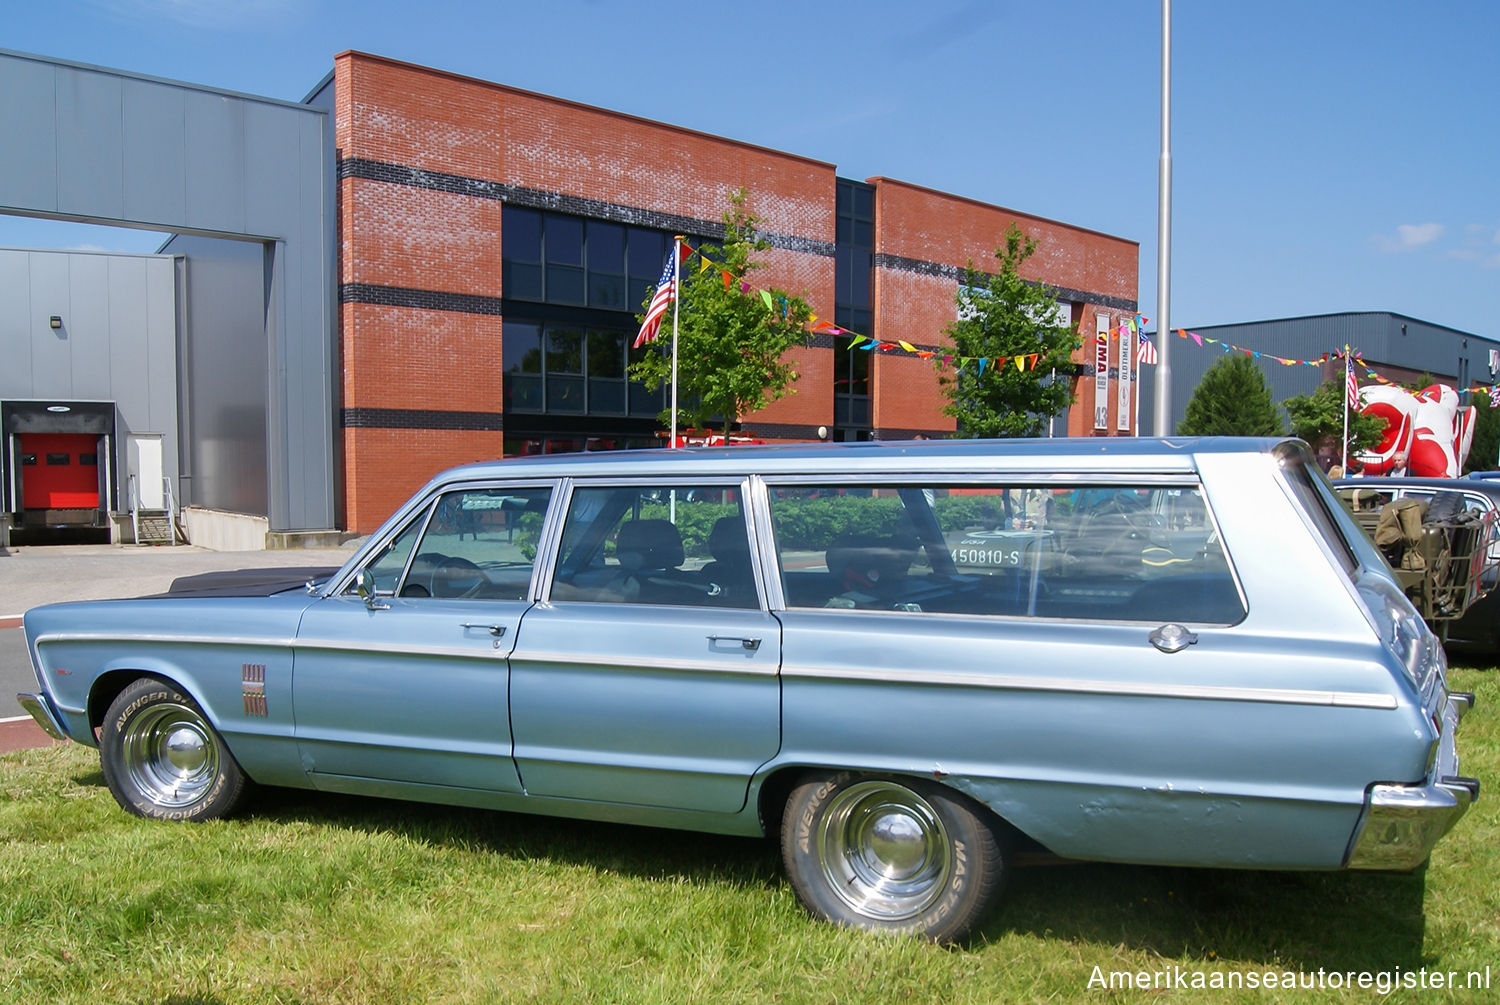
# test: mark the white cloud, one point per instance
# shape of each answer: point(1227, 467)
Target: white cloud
point(1409, 236)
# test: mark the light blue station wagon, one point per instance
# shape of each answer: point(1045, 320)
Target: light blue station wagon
point(908, 660)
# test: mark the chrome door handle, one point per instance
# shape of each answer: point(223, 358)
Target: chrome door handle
point(495, 630)
point(748, 644)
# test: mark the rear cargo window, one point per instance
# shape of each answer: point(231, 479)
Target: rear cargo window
point(1317, 500)
point(1100, 552)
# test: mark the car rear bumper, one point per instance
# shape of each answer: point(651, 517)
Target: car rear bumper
point(1401, 823)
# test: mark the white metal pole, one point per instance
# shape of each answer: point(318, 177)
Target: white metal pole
point(1163, 404)
point(1344, 444)
point(676, 301)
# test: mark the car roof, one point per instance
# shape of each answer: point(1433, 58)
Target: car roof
point(1081, 454)
point(1383, 483)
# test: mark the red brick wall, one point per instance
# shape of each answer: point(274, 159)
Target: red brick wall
point(432, 359)
point(917, 223)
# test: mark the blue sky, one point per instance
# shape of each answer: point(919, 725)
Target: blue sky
point(1328, 155)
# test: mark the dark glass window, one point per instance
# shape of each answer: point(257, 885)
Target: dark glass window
point(28, 460)
point(573, 360)
point(59, 460)
point(523, 367)
point(521, 252)
point(88, 460)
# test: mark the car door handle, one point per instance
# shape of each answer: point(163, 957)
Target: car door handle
point(747, 644)
point(495, 630)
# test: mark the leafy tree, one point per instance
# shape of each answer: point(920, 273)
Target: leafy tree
point(1483, 450)
point(1232, 399)
point(1318, 418)
point(1004, 315)
point(732, 338)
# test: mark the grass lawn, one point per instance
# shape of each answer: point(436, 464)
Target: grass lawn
point(310, 898)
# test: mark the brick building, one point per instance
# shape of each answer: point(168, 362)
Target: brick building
point(495, 244)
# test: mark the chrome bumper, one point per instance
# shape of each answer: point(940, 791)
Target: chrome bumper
point(37, 706)
point(1401, 823)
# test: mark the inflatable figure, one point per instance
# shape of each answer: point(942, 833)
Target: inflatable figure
point(1426, 434)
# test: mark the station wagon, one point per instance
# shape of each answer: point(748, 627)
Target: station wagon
point(907, 662)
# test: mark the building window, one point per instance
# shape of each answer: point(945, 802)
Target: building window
point(853, 308)
point(573, 370)
point(572, 287)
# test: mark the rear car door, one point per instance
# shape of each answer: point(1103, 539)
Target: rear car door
point(649, 673)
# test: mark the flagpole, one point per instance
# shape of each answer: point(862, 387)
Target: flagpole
point(1344, 444)
point(676, 301)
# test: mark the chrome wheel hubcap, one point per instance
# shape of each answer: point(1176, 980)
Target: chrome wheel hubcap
point(170, 756)
point(884, 851)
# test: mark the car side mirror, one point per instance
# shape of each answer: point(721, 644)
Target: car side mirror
point(364, 585)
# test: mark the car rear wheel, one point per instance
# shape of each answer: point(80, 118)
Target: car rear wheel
point(897, 856)
point(162, 758)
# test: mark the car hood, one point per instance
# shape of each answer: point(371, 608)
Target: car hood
point(248, 582)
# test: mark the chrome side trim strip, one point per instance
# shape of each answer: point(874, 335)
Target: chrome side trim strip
point(218, 640)
point(1013, 682)
point(744, 668)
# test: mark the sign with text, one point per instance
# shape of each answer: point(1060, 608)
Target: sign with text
point(1101, 371)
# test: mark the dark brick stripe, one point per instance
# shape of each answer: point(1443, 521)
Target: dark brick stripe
point(420, 418)
point(427, 300)
point(597, 209)
point(900, 263)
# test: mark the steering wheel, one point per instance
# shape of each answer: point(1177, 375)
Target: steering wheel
point(458, 577)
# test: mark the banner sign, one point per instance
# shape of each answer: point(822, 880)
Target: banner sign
point(1122, 414)
point(1101, 371)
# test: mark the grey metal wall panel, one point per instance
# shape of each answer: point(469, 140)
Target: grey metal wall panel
point(215, 168)
point(17, 327)
point(1382, 338)
point(29, 110)
point(86, 323)
point(130, 345)
point(52, 357)
point(89, 138)
point(224, 359)
point(195, 160)
point(160, 309)
point(154, 158)
point(113, 347)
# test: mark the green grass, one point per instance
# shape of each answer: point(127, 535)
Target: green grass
point(309, 898)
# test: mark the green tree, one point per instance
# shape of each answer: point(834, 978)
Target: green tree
point(732, 337)
point(1232, 399)
point(1003, 315)
point(1484, 451)
point(1318, 418)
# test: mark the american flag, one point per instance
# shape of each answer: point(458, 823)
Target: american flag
point(1145, 349)
point(666, 289)
point(1351, 383)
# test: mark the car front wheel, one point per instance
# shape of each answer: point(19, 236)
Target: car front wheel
point(162, 758)
point(896, 856)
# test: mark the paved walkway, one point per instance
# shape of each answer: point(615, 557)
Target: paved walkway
point(35, 575)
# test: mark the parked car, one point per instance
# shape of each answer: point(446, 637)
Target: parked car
point(907, 660)
point(1479, 627)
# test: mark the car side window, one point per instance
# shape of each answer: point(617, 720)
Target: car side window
point(1096, 552)
point(478, 544)
point(682, 544)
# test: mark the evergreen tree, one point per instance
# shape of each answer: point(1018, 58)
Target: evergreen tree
point(732, 337)
point(1003, 315)
point(1232, 399)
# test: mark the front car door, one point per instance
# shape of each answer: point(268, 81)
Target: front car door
point(649, 673)
point(410, 685)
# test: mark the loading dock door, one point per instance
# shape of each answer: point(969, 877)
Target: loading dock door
point(59, 471)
